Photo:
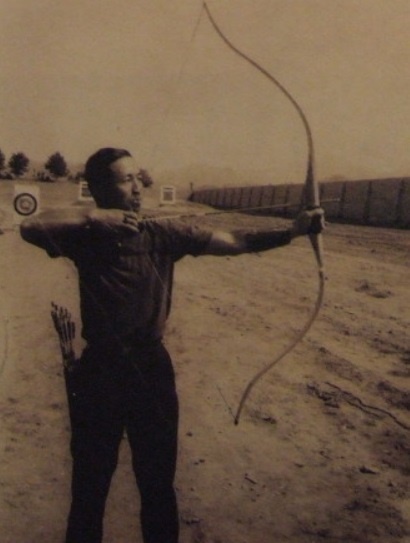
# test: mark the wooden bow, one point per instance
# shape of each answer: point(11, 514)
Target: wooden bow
point(311, 201)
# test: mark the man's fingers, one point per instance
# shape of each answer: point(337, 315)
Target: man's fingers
point(317, 222)
point(130, 220)
point(316, 225)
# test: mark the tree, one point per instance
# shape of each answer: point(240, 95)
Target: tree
point(18, 164)
point(57, 165)
point(2, 160)
point(145, 178)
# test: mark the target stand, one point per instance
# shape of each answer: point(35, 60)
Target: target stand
point(84, 194)
point(168, 195)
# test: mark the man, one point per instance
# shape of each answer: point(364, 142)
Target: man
point(125, 378)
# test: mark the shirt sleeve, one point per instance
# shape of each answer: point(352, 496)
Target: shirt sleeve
point(70, 244)
point(183, 238)
point(58, 247)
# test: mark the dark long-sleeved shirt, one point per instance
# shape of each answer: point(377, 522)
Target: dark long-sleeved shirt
point(126, 279)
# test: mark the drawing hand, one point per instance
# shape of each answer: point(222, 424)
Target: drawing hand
point(117, 219)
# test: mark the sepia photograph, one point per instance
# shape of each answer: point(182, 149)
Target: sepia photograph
point(205, 271)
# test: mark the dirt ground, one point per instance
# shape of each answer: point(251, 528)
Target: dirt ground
point(322, 451)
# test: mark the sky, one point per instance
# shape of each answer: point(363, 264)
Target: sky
point(154, 77)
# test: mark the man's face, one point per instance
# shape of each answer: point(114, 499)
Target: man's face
point(124, 190)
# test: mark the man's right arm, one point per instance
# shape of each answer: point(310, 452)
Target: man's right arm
point(50, 228)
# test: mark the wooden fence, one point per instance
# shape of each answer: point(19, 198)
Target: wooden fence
point(384, 202)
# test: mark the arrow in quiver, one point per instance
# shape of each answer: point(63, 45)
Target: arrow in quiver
point(65, 328)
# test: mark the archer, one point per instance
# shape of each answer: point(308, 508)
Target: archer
point(124, 380)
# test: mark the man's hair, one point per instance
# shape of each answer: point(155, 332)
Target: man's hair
point(97, 168)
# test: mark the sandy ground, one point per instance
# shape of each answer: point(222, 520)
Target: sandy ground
point(322, 452)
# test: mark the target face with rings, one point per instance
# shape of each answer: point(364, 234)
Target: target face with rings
point(25, 204)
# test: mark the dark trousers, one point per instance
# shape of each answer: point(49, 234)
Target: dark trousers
point(107, 395)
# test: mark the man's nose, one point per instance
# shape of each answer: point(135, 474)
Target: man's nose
point(136, 189)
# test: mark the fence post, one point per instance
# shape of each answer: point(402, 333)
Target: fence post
point(399, 205)
point(342, 201)
point(367, 205)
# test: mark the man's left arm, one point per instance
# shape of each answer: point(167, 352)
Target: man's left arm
point(251, 241)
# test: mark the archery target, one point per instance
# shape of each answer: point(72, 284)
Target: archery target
point(26, 201)
point(25, 204)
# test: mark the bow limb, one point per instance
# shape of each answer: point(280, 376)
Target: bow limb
point(312, 200)
point(282, 88)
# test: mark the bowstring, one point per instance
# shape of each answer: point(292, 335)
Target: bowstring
point(178, 80)
point(166, 117)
